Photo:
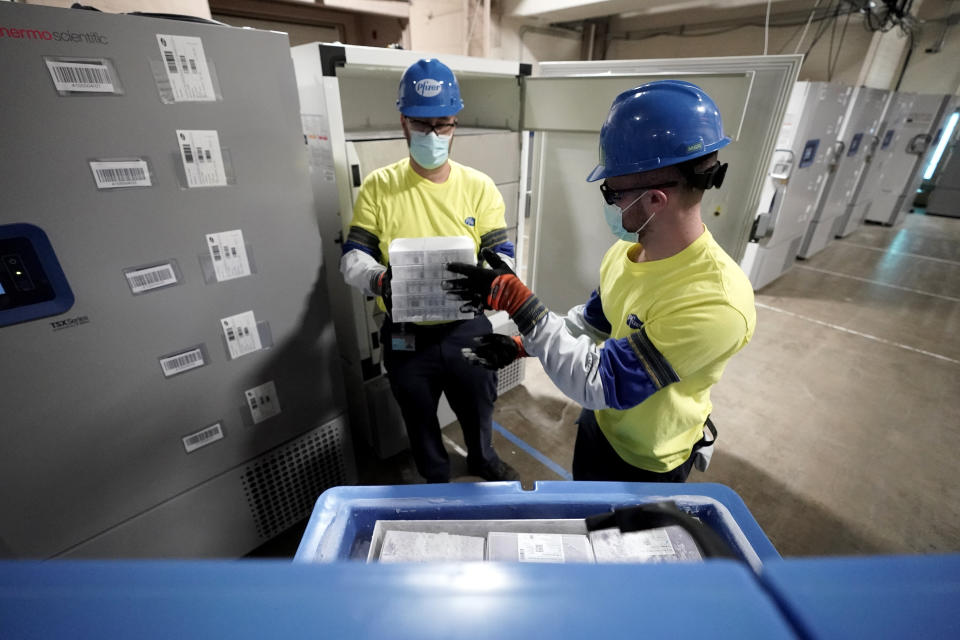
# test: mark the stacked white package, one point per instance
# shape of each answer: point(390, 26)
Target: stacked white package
point(413, 546)
point(419, 267)
point(666, 544)
point(538, 547)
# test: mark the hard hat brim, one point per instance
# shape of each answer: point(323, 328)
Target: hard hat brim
point(601, 172)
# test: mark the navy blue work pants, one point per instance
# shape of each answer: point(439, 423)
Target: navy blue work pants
point(437, 365)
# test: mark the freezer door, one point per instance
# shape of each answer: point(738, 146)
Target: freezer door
point(566, 104)
point(909, 136)
point(200, 339)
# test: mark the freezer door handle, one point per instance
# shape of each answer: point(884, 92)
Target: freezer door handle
point(918, 144)
point(782, 168)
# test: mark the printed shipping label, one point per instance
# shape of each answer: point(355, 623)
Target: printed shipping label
point(90, 77)
point(202, 162)
point(263, 402)
point(542, 547)
point(182, 362)
point(186, 67)
point(228, 254)
point(203, 438)
point(241, 334)
point(317, 134)
point(120, 174)
point(142, 280)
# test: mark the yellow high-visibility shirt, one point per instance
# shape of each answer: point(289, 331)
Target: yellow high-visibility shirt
point(697, 309)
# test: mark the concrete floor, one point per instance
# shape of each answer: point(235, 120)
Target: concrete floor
point(839, 423)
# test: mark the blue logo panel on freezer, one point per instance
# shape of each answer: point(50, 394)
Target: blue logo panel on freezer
point(854, 144)
point(809, 153)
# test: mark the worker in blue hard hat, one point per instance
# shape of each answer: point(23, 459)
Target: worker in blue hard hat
point(428, 195)
point(671, 307)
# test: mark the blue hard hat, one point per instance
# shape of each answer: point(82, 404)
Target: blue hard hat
point(656, 125)
point(428, 89)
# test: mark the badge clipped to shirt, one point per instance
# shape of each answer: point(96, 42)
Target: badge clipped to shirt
point(403, 342)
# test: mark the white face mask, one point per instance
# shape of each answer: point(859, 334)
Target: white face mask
point(430, 150)
point(614, 217)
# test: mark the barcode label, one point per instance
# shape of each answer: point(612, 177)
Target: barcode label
point(540, 547)
point(141, 280)
point(203, 438)
point(228, 253)
point(240, 332)
point(202, 161)
point(120, 174)
point(92, 77)
point(181, 362)
point(186, 66)
point(263, 402)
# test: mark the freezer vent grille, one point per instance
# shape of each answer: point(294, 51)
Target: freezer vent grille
point(282, 487)
point(510, 376)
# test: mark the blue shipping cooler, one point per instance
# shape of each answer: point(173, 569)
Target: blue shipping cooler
point(342, 523)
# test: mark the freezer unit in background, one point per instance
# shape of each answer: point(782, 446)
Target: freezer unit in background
point(944, 200)
point(797, 177)
point(857, 137)
point(169, 362)
point(893, 181)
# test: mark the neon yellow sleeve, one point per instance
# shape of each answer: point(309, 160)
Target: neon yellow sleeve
point(698, 337)
point(490, 208)
point(366, 210)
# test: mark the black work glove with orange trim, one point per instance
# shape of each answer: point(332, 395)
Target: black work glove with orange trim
point(496, 288)
point(380, 285)
point(494, 350)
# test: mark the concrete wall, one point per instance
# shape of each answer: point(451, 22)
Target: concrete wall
point(197, 8)
point(749, 41)
point(935, 72)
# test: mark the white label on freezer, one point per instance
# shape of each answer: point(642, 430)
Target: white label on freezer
point(186, 67)
point(317, 134)
point(540, 547)
point(229, 255)
point(202, 438)
point(120, 173)
point(241, 334)
point(90, 77)
point(151, 278)
point(182, 362)
point(263, 402)
point(202, 162)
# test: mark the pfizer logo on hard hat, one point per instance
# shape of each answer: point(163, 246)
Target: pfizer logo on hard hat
point(428, 87)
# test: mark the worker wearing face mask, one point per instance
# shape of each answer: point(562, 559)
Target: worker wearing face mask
point(429, 195)
point(671, 307)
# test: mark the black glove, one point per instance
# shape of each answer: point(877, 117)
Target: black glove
point(475, 287)
point(494, 351)
point(380, 285)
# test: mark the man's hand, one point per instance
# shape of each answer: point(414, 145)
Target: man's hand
point(484, 288)
point(494, 351)
point(380, 285)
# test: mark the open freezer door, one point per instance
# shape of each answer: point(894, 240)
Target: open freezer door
point(566, 103)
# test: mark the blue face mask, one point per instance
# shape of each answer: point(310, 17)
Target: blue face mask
point(614, 217)
point(429, 149)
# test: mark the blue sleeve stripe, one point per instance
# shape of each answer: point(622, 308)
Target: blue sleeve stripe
point(493, 238)
point(593, 313)
point(653, 361)
point(626, 381)
point(359, 238)
point(350, 246)
point(506, 248)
